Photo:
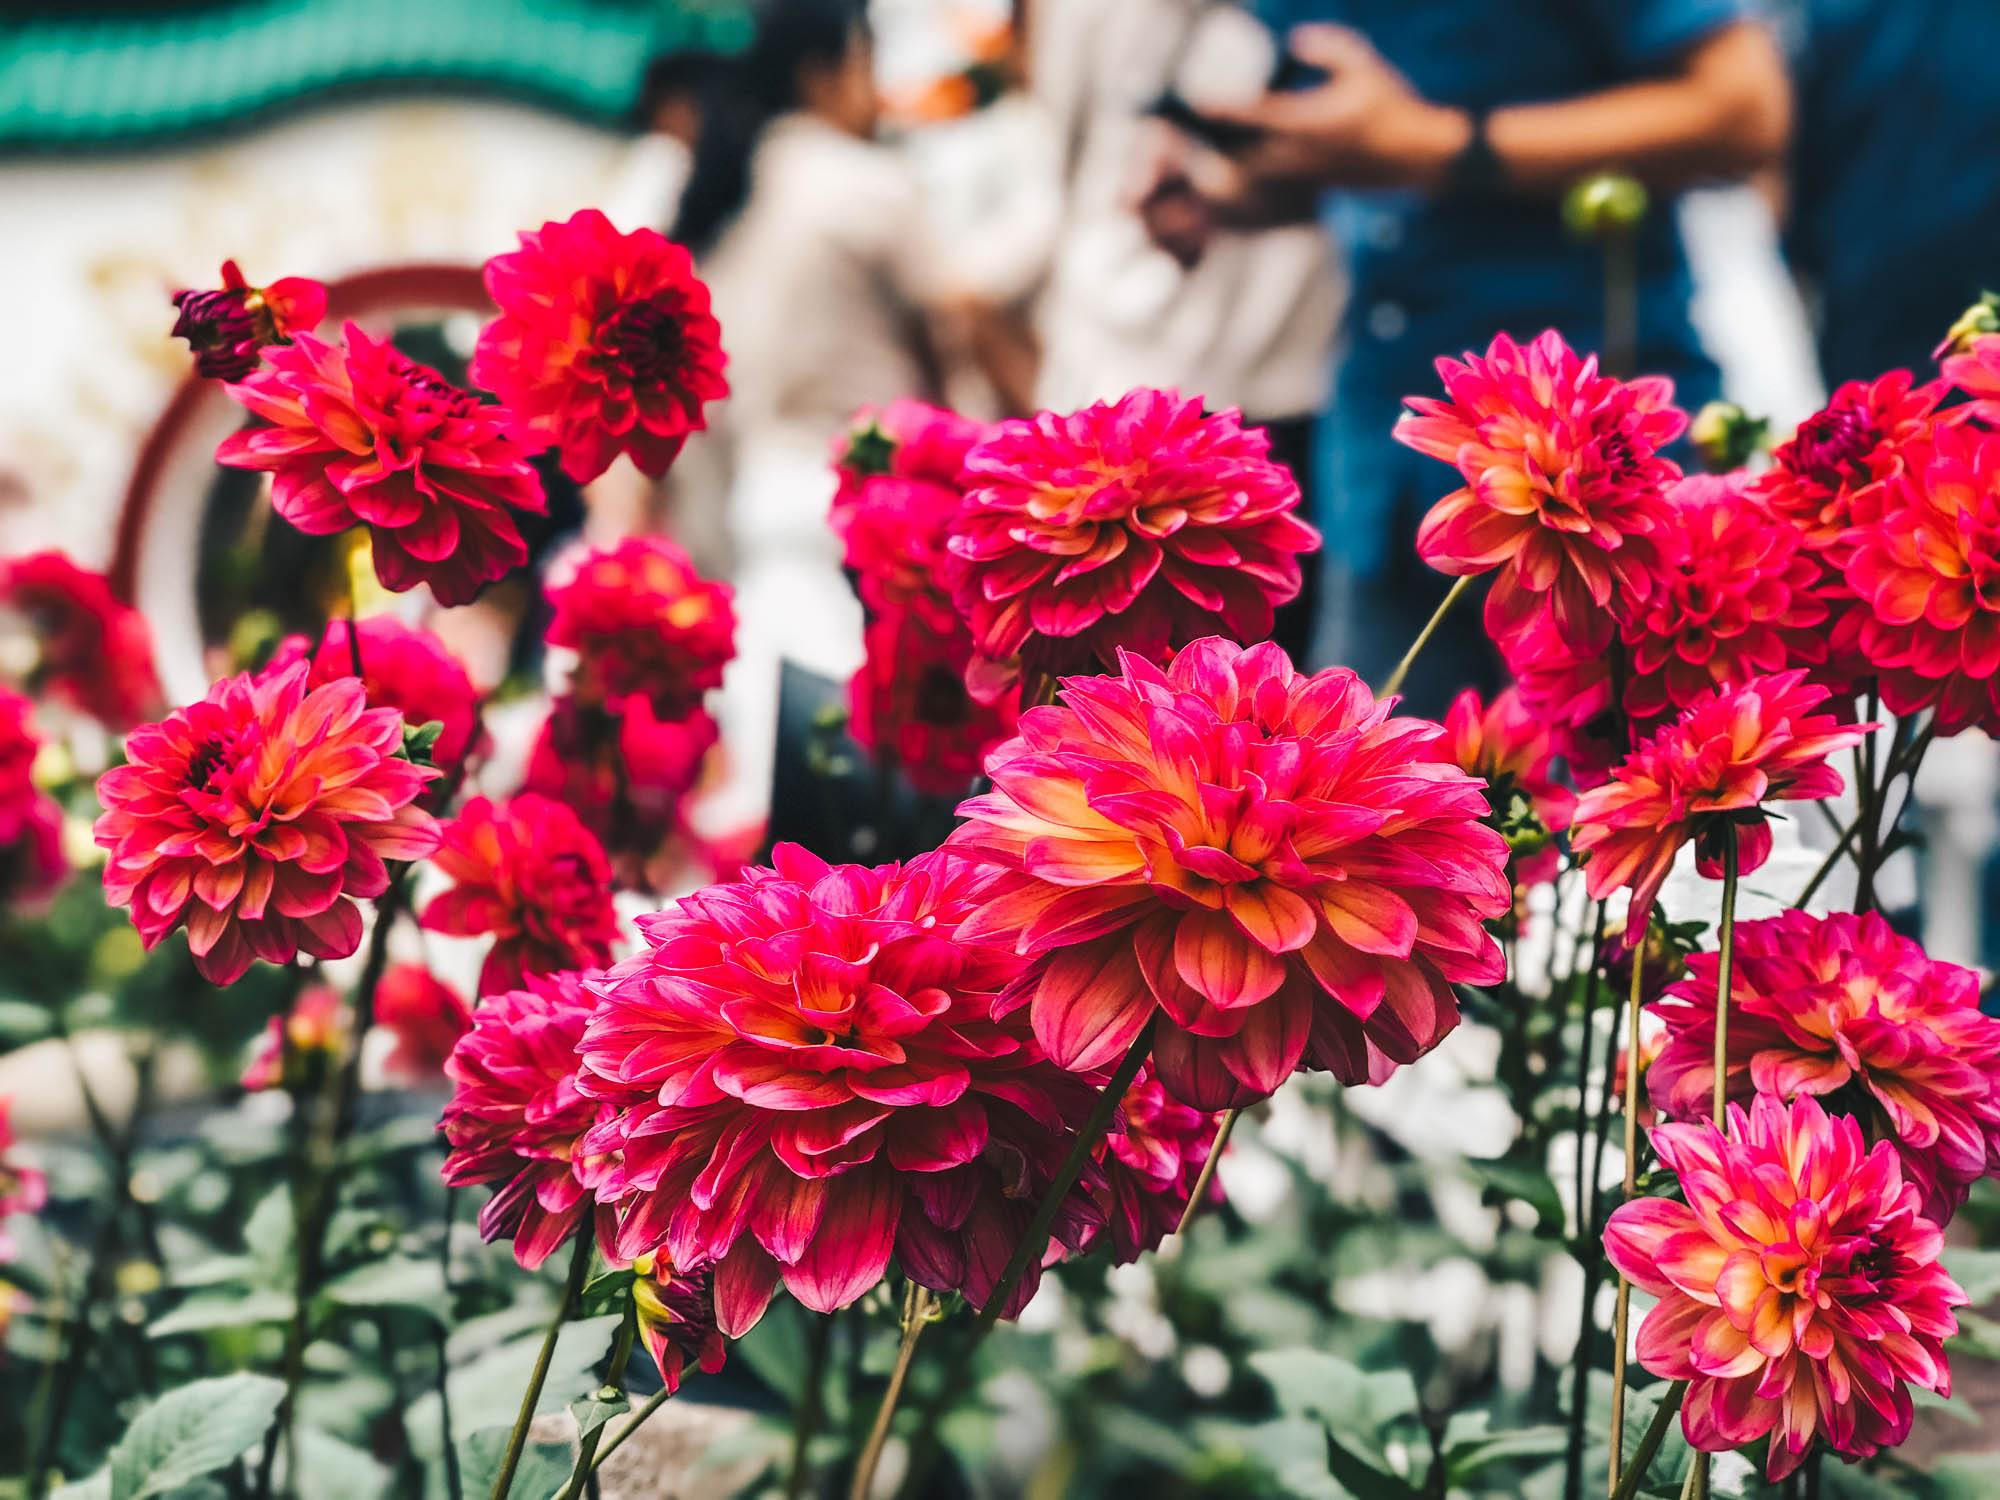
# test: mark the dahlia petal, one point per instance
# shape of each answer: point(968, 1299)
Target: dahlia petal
point(1279, 920)
point(1091, 1003)
point(1193, 1070)
point(1273, 1039)
point(1215, 960)
point(745, 1281)
point(851, 1253)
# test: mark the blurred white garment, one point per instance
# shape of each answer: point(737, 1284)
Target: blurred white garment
point(1250, 325)
point(993, 196)
point(645, 190)
point(818, 285)
point(1746, 306)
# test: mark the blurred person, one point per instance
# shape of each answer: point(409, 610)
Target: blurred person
point(1894, 212)
point(812, 239)
point(1437, 141)
point(1249, 324)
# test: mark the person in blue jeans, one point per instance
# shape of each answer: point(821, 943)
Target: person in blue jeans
point(1437, 144)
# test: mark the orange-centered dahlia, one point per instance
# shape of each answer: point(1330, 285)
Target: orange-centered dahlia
point(1138, 525)
point(1799, 1285)
point(1287, 872)
point(257, 816)
point(1564, 483)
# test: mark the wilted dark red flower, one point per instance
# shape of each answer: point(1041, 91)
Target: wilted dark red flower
point(31, 854)
point(676, 1311)
point(1139, 525)
point(810, 1077)
point(361, 436)
point(1833, 469)
point(23, 1189)
point(1294, 877)
point(624, 773)
point(425, 1015)
point(1842, 1008)
point(909, 704)
point(604, 344)
point(1706, 777)
point(1564, 483)
point(403, 668)
point(96, 652)
point(515, 1116)
point(228, 328)
point(642, 620)
point(532, 876)
point(1735, 596)
point(1155, 1150)
point(258, 816)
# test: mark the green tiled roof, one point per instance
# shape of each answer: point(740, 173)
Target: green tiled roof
point(100, 75)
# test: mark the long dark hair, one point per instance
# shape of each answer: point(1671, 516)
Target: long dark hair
point(744, 95)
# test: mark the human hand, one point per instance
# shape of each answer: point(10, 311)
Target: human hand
point(1364, 127)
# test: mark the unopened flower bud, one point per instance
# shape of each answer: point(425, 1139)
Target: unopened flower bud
point(1725, 435)
point(1605, 205)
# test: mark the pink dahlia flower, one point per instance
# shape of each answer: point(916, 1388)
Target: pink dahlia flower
point(403, 668)
point(361, 436)
point(1734, 597)
point(676, 1318)
point(516, 1117)
point(642, 620)
point(1707, 776)
point(228, 329)
point(95, 651)
point(899, 472)
point(425, 1015)
point(1567, 691)
point(1564, 483)
point(1139, 525)
point(1155, 1150)
point(604, 344)
point(1799, 1285)
point(1924, 571)
point(909, 704)
point(257, 817)
point(1834, 469)
point(531, 875)
point(31, 854)
point(1842, 1008)
point(23, 1189)
point(808, 1078)
point(1512, 751)
point(626, 776)
point(1291, 875)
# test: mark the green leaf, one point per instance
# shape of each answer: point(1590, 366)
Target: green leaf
point(399, 1281)
point(1366, 1482)
point(267, 1235)
point(1532, 1185)
point(223, 1310)
point(1978, 1271)
point(330, 1469)
point(192, 1431)
point(1464, 1461)
point(493, 1382)
point(777, 1349)
point(544, 1466)
point(1310, 1383)
point(599, 1407)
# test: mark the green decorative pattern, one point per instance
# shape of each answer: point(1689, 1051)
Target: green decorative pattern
point(76, 75)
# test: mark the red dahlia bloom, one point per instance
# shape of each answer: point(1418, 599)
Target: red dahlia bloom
point(1155, 1150)
point(531, 875)
point(1833, 470)
point(226, 329)
point(361, 436)
point(31, 855)
point(258, 816)
point(403, 668)
point(1799, 1285)
point(1564, 483)
point(642, 620)
point(1927, 571)
point(1287, 872)
point(1842, 1008)
point(604, 344)
point(1512, 751)
point(1734, 597)
point(1707, 776)
point(1136, 526)
point(425, 1015)
point(624, 774)
point(909, 702)
point(96, 652)
point(676, 1318)
point(809, 1078)
point(23, 1189)
point(899, 472)
point(516, 1117)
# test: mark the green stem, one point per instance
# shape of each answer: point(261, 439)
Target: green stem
point(454, 1484)
point(1586, 1218)
point(1725, 965)
point(1649, 1442)
point(928, 1447)
point(821, 1339)
point(1622, 1321)
point(917, 1306)
point(613, 1389)
point(1394, 681)
point(517, 1440)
